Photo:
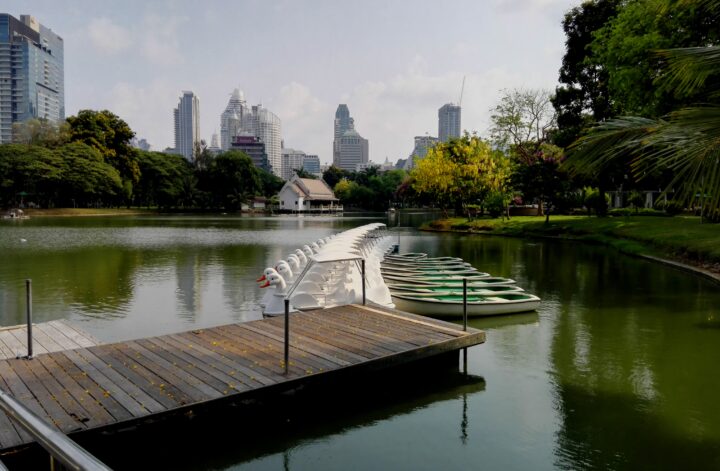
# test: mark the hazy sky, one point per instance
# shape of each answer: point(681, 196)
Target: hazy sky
point(393, 62)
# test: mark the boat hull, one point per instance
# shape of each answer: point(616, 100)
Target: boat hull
point(445, 309)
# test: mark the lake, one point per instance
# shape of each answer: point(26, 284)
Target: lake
point(616, 370)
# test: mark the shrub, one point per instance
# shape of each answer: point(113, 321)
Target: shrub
point(670, 207)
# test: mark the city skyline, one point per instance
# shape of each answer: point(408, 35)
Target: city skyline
point(134, 59)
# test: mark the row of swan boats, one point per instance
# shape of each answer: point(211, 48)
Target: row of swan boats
point(434, 286)
point(330, 271)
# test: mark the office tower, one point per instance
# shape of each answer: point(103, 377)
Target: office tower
point(265, 125)
point(448, 122)
point(234, 121)
point(311, 164)
point(349, 148)
point(240, 120)
point(254, 147)
point(32, 83)
point(187, 125)
point(214, 144)
point(420, 150)
point(352, 151)
point(292, 160)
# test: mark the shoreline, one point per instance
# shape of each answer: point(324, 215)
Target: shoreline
point(709, 269)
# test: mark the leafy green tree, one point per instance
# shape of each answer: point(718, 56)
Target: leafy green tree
point(86, 178)
point(110, 135)
point(302, 173)
point(583, 96)
point(41, 132)
point(162, 179)
point(234, 179)
point(333, 175)
point(270, 183)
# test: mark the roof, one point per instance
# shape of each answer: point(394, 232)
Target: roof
point(310, 189)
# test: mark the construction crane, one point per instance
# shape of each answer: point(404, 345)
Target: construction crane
point(462, 89)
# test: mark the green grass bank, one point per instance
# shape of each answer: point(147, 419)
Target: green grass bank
point(681, 238)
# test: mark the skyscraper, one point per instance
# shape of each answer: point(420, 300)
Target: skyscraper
point(448, 122)
point(349, 147)
point(240, 120)
point(187, 125)
point(420, 150)
point(32, 83)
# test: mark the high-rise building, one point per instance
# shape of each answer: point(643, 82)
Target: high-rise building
point(292, 160)
point(240, 120)
point(420, 150)
point(234, 121)
point(311, 164)
point(214, 145)
point(448, 122)
point(187, 125)
point(32, 80)
point(265, 125)
point(350, 149)
point(254, 147)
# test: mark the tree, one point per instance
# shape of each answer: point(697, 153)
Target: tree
point(302, 173)
point(41, 132)
point(686, 141)
point(333, 175)
point(163, 179)
point(521, 121)
point(583, 97)
point(460, 172)
point(110, 135)
point(234, 179)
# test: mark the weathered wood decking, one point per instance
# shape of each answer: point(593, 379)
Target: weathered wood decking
point(105, 385)
point(52, 336)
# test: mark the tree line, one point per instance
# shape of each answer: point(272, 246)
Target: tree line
point(87, 161)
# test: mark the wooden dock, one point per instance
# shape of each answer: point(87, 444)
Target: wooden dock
point(102, 386)
point(52, 336)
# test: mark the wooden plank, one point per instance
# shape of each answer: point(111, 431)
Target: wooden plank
point(309, 360)
point(172, 374)
point(380, 318)
point(132, 398)
point(59, 332)
point(50, 380)
point(75, 333)
point(54, 411)
point(20, 348)
point(10, 432)
point(242, 364)
point(266, 364)
point(5, 351)
point(218, 362)
point(201, 369)
point(414, 318)
point(96, 394)
point(40, 338)
point(167, 395)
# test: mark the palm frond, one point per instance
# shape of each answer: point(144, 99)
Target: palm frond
point(689, 67)
point(608, 141)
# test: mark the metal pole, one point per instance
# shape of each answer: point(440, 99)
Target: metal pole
point(28, 300)
point(465, 304)
point(287, 335)
point(362, 268)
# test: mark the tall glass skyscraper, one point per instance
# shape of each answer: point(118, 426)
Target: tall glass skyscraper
point(448, 122)
point(187, 125)
point(32, 80)
point(350, 149)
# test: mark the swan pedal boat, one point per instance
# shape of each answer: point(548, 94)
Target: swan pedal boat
point(477, 306)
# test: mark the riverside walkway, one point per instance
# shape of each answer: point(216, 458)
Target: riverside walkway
point(103, 386)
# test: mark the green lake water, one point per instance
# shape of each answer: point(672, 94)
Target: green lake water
point(618, 369)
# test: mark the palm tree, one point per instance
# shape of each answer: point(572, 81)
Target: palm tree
point(686, 141)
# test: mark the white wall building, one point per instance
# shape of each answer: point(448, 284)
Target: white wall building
point(304, 195)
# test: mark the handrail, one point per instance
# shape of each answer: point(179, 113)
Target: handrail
point(60, 447)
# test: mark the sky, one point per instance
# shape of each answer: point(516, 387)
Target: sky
point(393, 62)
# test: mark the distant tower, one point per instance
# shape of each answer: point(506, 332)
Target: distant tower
point(266, 125)
point(234, 120)
point(32, 79)
point(187, 125)
point(349, 147)
point(448, 122)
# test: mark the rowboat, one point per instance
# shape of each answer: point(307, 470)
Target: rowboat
point(431, 272)
point(454, 289)
point(477, 306)
point(439, 278)
point(473, 284)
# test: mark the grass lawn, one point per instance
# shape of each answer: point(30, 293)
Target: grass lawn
point(681, 237)
point(88, 212)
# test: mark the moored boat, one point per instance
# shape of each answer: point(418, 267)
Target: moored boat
point(477, 306)
point(454, 289)
point(438, 278)
point(471, 284)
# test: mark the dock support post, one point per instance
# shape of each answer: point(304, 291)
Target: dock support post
point(362, 269)
point(287, 335)
point(465, 304)
point(28, 300)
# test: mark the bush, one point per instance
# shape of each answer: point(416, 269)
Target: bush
point(463, 226)
point(495, 204)
point(670, 207)
point(636, 212)
point(592, 200)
